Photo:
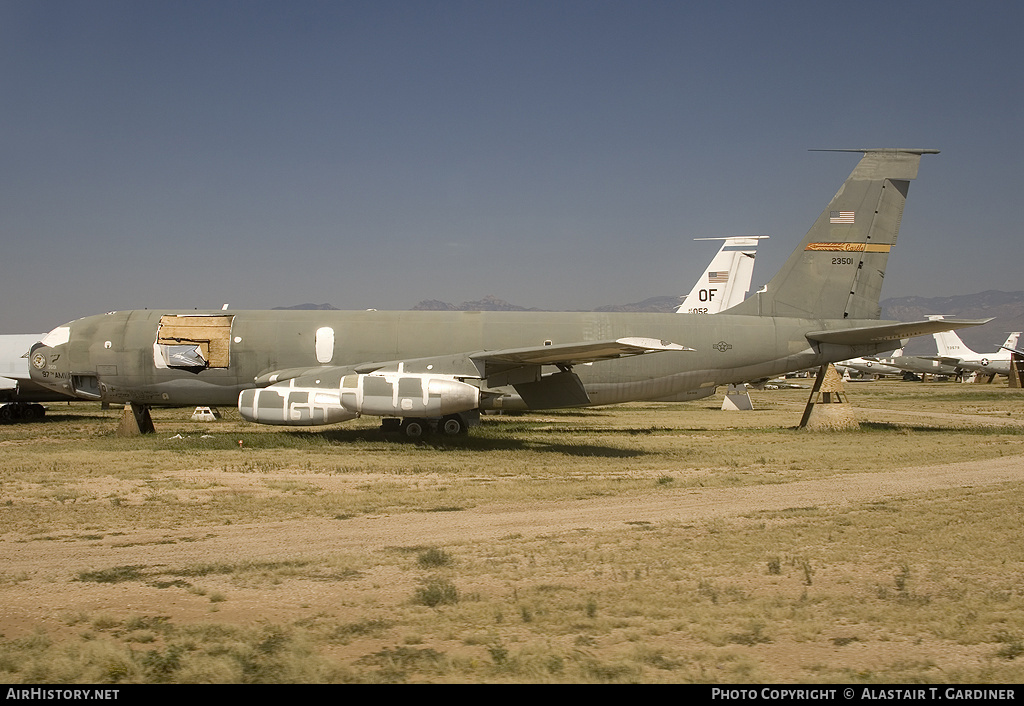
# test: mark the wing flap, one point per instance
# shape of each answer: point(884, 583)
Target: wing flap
point(576, 353)
point(519, 366)
point(865, 335)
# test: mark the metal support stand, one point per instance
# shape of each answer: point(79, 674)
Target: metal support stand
point(205, 414)
point(737, 398)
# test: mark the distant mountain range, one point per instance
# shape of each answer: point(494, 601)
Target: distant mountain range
point(1007, 308)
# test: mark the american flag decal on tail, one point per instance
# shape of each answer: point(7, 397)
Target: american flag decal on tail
point(718, 277)
point(840, 217)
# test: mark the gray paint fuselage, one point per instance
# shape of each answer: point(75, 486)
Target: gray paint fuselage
point(118, 348)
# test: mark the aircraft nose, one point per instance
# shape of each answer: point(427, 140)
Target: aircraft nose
point(39, 357)
point(45, 368)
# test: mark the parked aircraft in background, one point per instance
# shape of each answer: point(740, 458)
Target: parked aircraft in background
point(870, 366)
point(954, 352)
point(19, 395)
point(726, 280)
point(916, 364)
point(723, 285)
point(442, 367)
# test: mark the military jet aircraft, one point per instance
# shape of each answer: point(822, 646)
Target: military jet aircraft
point(871, 365)
point(915, 365)
point(726, 280)
point(955, 353)
point(439, 368)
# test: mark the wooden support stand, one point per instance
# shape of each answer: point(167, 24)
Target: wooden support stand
point(1016, 371)
point(135, 420)
point(826, 409)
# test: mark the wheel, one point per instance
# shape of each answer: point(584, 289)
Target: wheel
point(452, 425)
point(414, 428)
point(7, 413)
point(33, 411)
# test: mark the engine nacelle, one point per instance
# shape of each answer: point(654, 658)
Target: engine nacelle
point(307, 401)
point(407, 395)
point(292, 406)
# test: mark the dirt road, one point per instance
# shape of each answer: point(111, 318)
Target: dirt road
point(56, 560)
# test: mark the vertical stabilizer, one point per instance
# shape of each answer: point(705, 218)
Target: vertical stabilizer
point(949, 344)
point(726, 280)
point(837, 272)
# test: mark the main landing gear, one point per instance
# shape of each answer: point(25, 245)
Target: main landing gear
point(21, 412)
point(417, 428)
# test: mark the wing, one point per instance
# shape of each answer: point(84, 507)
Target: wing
point(487, 364)
point(522, 368)
point(944, 360)
point(432, 387)
point(502, 367)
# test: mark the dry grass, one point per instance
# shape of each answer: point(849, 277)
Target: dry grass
point(915, 588)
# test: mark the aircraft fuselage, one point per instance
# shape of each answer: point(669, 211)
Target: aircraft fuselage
point(118, 357)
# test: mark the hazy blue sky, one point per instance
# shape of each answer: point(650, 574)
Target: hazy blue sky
point(562, 155)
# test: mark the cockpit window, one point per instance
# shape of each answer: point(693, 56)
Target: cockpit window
point(58, 336)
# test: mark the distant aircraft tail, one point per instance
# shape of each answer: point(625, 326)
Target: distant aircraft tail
point(726, 280)
point(948, 343)
point(837, 272)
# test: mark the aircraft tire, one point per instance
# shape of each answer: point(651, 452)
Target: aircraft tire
point(453, 425)
point(413, 428)
point(33, 411)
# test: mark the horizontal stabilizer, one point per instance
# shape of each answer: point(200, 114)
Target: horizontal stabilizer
point(865, 335)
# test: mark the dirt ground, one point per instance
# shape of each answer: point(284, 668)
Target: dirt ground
point(42, 589)
point(51, 562)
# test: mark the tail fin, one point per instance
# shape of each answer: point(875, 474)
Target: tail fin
point(837, 271)
point(1011, 340)
point(948, 343)
point(726, 281)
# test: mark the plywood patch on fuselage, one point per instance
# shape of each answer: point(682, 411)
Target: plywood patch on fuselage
point(211, 333)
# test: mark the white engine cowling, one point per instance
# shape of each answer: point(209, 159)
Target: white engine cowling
point(406, 395)
point(305, 401)
point(292, 406)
